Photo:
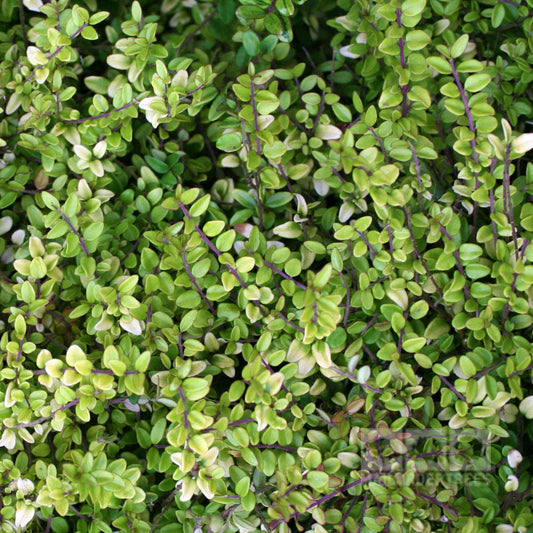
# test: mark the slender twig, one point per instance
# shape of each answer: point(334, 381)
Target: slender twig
point(283, 275)
point(363, 510)
point(286, 178)
point(23, 24)
point(325, 498)
point(297, 124)
point(193, 281)
point(164, 508)
point(513, 285)
point(209, 147)
point(453, 389)
point(263, 521)
point(102, 115)
point(507, 197)
point(517, 372)
point(320, 110)
point(466, 292)
point(51, 415)
point(276, 446)
point(418, 176)
point(380, 142)
point(185, 414)
point(347, 309)
point(287, 321)
point(57, 51)
point(418, 256)
point(78, 514)
point(75, 231)
point(492, 207)
point(471, 126)
point(194, 31)
point(436, 502)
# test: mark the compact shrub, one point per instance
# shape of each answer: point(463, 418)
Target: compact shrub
point(266, 266)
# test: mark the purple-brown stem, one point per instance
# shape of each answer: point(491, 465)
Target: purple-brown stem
point(193, 281)
point(492, 208)
point(102, 115)
point(453, 389)
point(436, 502)
point(277, 447)
point(51, 415)
point(256, 123)
point(240, 422)
point(78, 514)
point(59, 48)
point(286, 178)
point(513, 284)
point(418, 176)
point(471, 126)
point(380, 142)
point(185, 414)
point(283, 275)
point(363, 510)
point(215, 250)
point(23, 26)
point(418, 256)
point(271, 370)
point(347, 309)
point(466, 292)
point(75, 231)
point(320, 110)
point(325, 498)
point(365, 240)
point(507, 197)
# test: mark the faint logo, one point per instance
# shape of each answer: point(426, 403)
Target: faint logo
point(458, 455)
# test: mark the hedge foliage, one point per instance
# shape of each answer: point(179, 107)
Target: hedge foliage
point(266, 266)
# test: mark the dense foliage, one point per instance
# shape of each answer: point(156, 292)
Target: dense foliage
point(266, 266)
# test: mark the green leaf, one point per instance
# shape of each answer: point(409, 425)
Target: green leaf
point(226, 11)
point(342, 112)
point(245, 199)
point(467, 366)
point(441, 65)
point(242, 486)
point(142, 361)
point(93, 231)
point(414, 345)
point(225, 241)
point(157, 165)
point(250, 42)
point(413, 7)
point(417, 40)
point(59, 525)
point(49, 200)
point(89, 33)
point(317, 480)
point(128, 285)
point(274, 150)
point(477, 271)
point(188, 300)
point(229, 142)
point(477, 82)
point(498, 14)
point(158, 431)
point(459, 46)
point(195, 388)
point(200, 206)
point(278, 199)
